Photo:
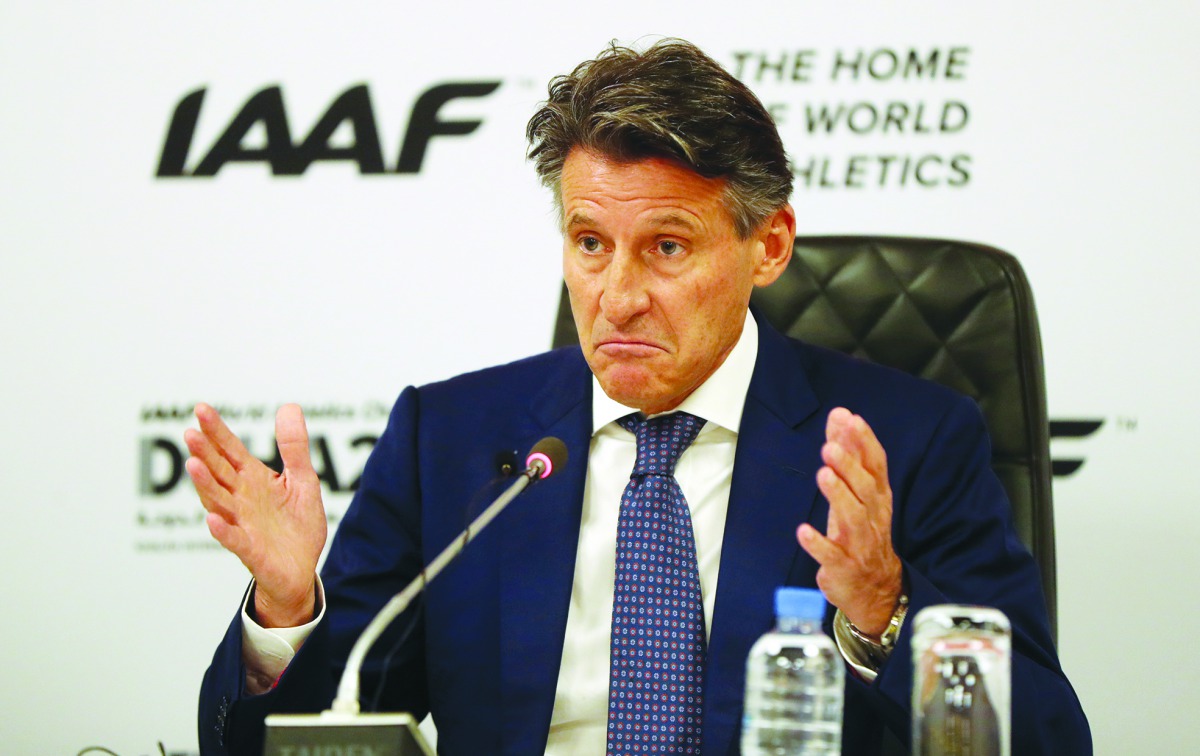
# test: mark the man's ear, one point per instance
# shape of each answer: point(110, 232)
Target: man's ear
point(777, 234)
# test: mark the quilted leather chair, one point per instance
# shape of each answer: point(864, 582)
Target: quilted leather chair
point(957, 313)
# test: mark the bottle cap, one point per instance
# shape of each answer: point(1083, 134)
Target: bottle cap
point(800, 603)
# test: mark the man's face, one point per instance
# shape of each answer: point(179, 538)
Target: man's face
point(658, 278)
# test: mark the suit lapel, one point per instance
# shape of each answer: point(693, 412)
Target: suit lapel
point(538, 560)
point(772, 492)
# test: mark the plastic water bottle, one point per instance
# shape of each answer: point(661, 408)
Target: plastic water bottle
point(794, 679)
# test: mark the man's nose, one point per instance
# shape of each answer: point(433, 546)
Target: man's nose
point(625, 287)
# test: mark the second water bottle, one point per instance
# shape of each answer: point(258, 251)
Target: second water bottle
point(794, 678)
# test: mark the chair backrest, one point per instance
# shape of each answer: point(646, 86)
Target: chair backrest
point(957, 313)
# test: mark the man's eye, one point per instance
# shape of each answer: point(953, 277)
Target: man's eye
point(668, 247)
point(589, 244)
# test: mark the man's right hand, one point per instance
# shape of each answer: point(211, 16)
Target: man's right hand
point(275, 523)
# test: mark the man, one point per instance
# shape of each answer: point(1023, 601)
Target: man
point(673, 189)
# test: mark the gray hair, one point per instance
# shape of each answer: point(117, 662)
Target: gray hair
point(671, 101)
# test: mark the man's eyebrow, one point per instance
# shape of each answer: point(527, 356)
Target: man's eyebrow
point(577, 219)
point(675, 220)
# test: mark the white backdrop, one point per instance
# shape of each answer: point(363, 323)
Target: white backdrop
point(1068, 139)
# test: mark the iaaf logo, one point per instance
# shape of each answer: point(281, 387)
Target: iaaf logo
point(289, 158)
point(1063, 467)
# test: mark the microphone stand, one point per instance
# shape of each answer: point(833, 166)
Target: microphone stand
point(346, 701)
point(342, 726)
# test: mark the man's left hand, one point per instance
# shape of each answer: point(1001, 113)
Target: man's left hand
point(860, 572)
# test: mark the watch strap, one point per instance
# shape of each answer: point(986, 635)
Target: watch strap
point(879, 650)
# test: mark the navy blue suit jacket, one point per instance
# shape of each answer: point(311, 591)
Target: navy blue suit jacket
point(482, 650)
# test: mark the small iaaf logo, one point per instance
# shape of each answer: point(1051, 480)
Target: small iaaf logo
point(1063, 467)
point(342, 435)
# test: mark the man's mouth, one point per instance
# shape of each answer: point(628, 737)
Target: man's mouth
point(628, 348)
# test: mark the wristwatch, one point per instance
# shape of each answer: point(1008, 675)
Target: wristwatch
point(880, 650)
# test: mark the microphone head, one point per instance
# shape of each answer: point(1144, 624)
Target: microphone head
point(551, 452)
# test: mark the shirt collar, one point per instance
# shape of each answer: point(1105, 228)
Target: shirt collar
point(719, 400)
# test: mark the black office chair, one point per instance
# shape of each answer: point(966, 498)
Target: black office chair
point(957, 313)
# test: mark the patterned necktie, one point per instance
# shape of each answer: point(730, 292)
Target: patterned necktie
point(658, 646)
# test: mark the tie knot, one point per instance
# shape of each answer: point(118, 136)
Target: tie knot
point(660, 440)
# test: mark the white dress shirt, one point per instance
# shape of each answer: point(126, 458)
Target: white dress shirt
point(704, 471)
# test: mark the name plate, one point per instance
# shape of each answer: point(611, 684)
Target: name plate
point(338, 734)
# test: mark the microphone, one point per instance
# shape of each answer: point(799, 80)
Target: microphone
point(547, 457)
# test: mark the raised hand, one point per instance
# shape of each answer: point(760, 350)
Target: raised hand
point(860, 572)
point(274, 522)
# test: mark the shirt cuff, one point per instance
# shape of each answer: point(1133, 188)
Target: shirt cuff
point(853, 650)
point(267, 652)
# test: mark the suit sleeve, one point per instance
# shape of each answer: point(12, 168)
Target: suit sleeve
point(953, 529)
point(376, 551)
